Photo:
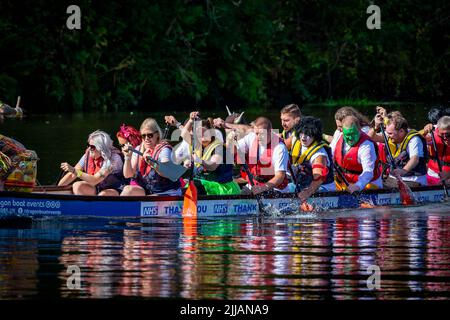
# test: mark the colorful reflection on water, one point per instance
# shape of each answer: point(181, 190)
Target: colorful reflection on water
point(313, 257)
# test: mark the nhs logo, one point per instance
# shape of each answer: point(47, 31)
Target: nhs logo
point(221, 208)
point(150, 211)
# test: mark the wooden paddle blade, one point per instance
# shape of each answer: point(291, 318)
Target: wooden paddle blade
point(406, 194)
point(190, 201)
point(171, 170)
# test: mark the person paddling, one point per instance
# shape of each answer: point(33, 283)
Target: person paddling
point(213, 167)
point(149, 180)
point(409, 151)
point(435, 174)
point(313, 164)
point(99, 169)
point(267, 159)
point(355, 154)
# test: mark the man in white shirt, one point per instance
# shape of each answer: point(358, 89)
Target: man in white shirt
point(355, 154)
point(410, 153)
point(267, 158)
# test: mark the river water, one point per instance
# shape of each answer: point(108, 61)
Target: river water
point(335, 254)
point(331, 255)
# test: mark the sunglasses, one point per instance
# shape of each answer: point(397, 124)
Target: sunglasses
point(148, 135)
point(91, 147)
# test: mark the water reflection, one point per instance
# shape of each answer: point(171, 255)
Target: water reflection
point(294, 258)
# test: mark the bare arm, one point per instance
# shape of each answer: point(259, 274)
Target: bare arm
point(277, 179)
point(70, 176)
point(327, 138)
point(317, 181)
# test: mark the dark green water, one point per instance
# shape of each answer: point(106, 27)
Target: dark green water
point(309, 257)
point(296, 257)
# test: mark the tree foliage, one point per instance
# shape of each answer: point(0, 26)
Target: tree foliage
point(148, 55)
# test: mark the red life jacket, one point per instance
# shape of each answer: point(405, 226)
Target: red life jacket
point(261, 166)
point(349, 162)
point(144, 167)
point(91, 165)
point(443, 154)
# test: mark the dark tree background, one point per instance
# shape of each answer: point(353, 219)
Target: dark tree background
point(154, 55)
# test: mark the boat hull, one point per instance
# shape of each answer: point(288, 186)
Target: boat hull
point(49, 204)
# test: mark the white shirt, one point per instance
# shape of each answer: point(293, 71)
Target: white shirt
point(280, 154)
point(366, 157)
point(415, 148)
point(181, 152)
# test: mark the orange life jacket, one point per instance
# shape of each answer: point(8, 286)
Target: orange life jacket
point(349, 162)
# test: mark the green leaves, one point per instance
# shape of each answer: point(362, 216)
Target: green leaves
point(255, 52)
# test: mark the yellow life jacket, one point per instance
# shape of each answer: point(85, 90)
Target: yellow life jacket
point(284, 134)
point(207, 152)
point(395, 150)
point(298, 157)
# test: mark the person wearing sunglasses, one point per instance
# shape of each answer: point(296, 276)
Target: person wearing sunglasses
point(99, 169)
point(148, 180)
point(442, 138)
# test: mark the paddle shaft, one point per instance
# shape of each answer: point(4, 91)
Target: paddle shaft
point(438, 160)
point(62, 172)
point(357, 194)
point(252, 183)
point(340, 174)
point(386, 147)
point(141, 154)
point(166, 131)
point(194, 133)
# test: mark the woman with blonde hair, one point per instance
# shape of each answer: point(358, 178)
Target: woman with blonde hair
point(99, 169)
point(142, 170)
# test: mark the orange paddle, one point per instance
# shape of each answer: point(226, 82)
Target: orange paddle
point(190, 201)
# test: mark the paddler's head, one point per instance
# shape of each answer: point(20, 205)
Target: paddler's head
point(396, 129)
point(206, 132)
point(290, 116)
point(99, 144)
point(263, 129)
point(351, 130)
point(150, 133)
point(443, 126)
point(128, 134)
point(343, 112)
point(309, 130)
